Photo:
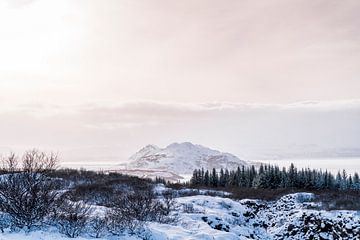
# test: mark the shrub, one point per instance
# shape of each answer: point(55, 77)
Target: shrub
point(26, 194)
point(72, 218)
point(188, 208)
point(132, 210)
point(165, 207)
point(98, 226)
point(4, 222)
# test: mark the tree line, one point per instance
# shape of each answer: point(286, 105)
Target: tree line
point(272, 177)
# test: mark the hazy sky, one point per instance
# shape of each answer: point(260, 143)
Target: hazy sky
point(96, 79)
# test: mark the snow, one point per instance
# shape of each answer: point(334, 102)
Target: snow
point(160, 189)
point(182, 158)
point(223, 218)
point(53, 234)
point(293, 216)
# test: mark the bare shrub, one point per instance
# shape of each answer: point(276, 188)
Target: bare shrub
point(116, 224)
point(35, 161)
point(165, 207)
point(132, 210)
point(26, 194)
point(95, 193)
point(72, 218)
point(129, 213)
point(10, 163)
point(4, 222)
point(98, 226)
point(188, 208)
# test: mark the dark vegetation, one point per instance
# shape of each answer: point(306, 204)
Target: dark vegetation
point(27, 196)
point(272, 177)
point(269, 182)
point(338, 200)
point(34, 194)
point(98, 188)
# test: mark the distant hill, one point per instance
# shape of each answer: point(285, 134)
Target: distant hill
point(182, 158)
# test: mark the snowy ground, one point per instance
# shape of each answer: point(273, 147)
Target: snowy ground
point(205, 217)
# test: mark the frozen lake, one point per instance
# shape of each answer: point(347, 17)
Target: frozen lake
point(333, 165)
point(95, 166)
point(351, 165)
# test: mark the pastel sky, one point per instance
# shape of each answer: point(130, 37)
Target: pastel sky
point(97, 79)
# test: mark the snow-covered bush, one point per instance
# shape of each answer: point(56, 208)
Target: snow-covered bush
point(165, 207)
point(4, 222)
point(131, 211)
point(305, 197)
point(189, 208)
point(118, 224)
point(72, 218)
point(97, 226)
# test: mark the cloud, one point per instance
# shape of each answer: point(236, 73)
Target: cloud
point(19, 3)
point(248, 130)
point(268, 51)
point(133, 114)
point(152, 113)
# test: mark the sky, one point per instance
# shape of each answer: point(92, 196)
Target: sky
point(96, 80)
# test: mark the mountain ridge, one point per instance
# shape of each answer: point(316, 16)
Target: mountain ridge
point(183, 158)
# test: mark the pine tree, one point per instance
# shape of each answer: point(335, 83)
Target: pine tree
point(338, 180)
point(284, 179)
point(207, 178)
point(350, 183)
point(202, 176)
point(292, 175)
point(214, 180)
point(222, 182)
point(356, 182)
point(343, 184)
point(195, 178)
point(270, 176)
point(227, 177)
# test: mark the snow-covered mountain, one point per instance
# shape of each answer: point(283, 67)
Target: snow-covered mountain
point(183, 158)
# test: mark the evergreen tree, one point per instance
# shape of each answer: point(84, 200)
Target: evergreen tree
point(284, 178)
point(222, 181)
point(356, 182)
point(195, 179)
point(350, 183)
point(202, 176)
point(270, 176)
point(214, 181)
point(292, 175)
point(227, 177)
point(338, 180)
point(343, 184)
point(207, 178)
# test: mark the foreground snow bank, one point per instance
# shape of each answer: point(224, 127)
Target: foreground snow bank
point(293, 216)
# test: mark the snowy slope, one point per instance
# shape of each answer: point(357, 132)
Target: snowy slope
point(291, 217)
point(204, 217)
point(183, 158)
